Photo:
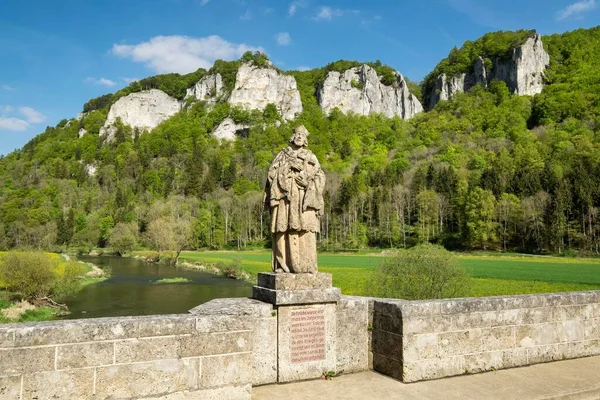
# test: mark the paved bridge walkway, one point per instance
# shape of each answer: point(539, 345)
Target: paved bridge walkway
point(571, 379)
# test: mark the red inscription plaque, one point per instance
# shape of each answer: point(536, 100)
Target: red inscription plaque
point(308, 335)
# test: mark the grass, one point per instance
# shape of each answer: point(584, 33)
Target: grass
point(491, 274)
point(171, 280)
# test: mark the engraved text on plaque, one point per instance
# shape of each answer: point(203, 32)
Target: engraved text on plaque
point(308, 335)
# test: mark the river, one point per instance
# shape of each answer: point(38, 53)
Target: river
point(130, 290)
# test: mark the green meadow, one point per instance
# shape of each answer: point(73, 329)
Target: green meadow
point(491, 275)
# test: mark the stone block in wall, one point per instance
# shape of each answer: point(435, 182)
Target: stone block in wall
point(26, 360)
point(352, 334)
point(493, 360)
point(423, 346)
point(10, 387)
point(388, 366)
point(223, 323)
point(538, 334)
point(459, 343)
point(84, 355)
point(146, 349)
point(388, 344)
point(264, 351)
point(572, 331)
point(207, 344)
point(7, 338)
point(263, 321)
point(93, 330)
point(433, 368)
point(564, 313)
point(147, 379)
point(584, 348)
point(536, 315)
point(426, 324)
point(68, 384)
point(498, 338)
point(592, 329)
point(540, 354)
point(230, 369)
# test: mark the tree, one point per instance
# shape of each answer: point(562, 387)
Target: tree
point(123, 237)
point(480, 212)
point(509, 211)
point(424, 272)
point(168, 234)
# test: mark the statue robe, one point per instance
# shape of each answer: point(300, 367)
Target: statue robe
point(295, 210)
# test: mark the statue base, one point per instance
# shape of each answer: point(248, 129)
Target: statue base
point(287, 289)
point(306, 307)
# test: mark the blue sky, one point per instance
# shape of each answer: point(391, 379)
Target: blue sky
point(55, 55)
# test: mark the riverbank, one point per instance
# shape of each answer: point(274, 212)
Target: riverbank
point(230, 269)
point(15, 308)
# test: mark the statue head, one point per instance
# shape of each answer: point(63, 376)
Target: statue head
point(300, 136)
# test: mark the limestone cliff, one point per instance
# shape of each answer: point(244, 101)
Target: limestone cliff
point(228, 129)
point(256, 87)
point(359, 90)
point(209, 89)
point(143, 110)
point(523, 73)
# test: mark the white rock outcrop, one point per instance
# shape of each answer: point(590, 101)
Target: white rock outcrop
point(208, 89)
point(523, 73)
point(256, 87)
point(82, 132)
point(228, 129)
point(144, 110)
point(360, 91)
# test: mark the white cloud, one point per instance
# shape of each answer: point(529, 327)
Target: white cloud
point(130, 80)
point(100, 81)
point(6, 109)
point(294, 6)
point(13, 124)
point(33, 116)
point(283, 38)
point(204, 2)
point(8, 88)
point(303, 68)
point(247, 16)
point(328, 13)
point(181, 54)
point(576, 9)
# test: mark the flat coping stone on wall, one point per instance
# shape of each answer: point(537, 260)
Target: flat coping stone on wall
point(234, 306)
point(296, 297)
point(284, 281)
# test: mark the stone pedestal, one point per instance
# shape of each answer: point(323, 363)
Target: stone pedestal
point(306, 322)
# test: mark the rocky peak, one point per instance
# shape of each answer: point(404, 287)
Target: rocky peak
point(208, 89)
point(255, 87)
point(359, 90)
point(144, 110)
point(523, 73)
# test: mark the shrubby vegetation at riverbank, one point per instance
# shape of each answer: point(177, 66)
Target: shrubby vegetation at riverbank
point(32, 284)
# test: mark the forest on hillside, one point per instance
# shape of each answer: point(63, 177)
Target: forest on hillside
point(486, 170)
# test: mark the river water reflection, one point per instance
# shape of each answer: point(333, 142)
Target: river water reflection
point(130, 290)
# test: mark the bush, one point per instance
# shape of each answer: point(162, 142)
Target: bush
point(29, 275)
point(67, 278)
point(425, 272)
point(232, 269)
